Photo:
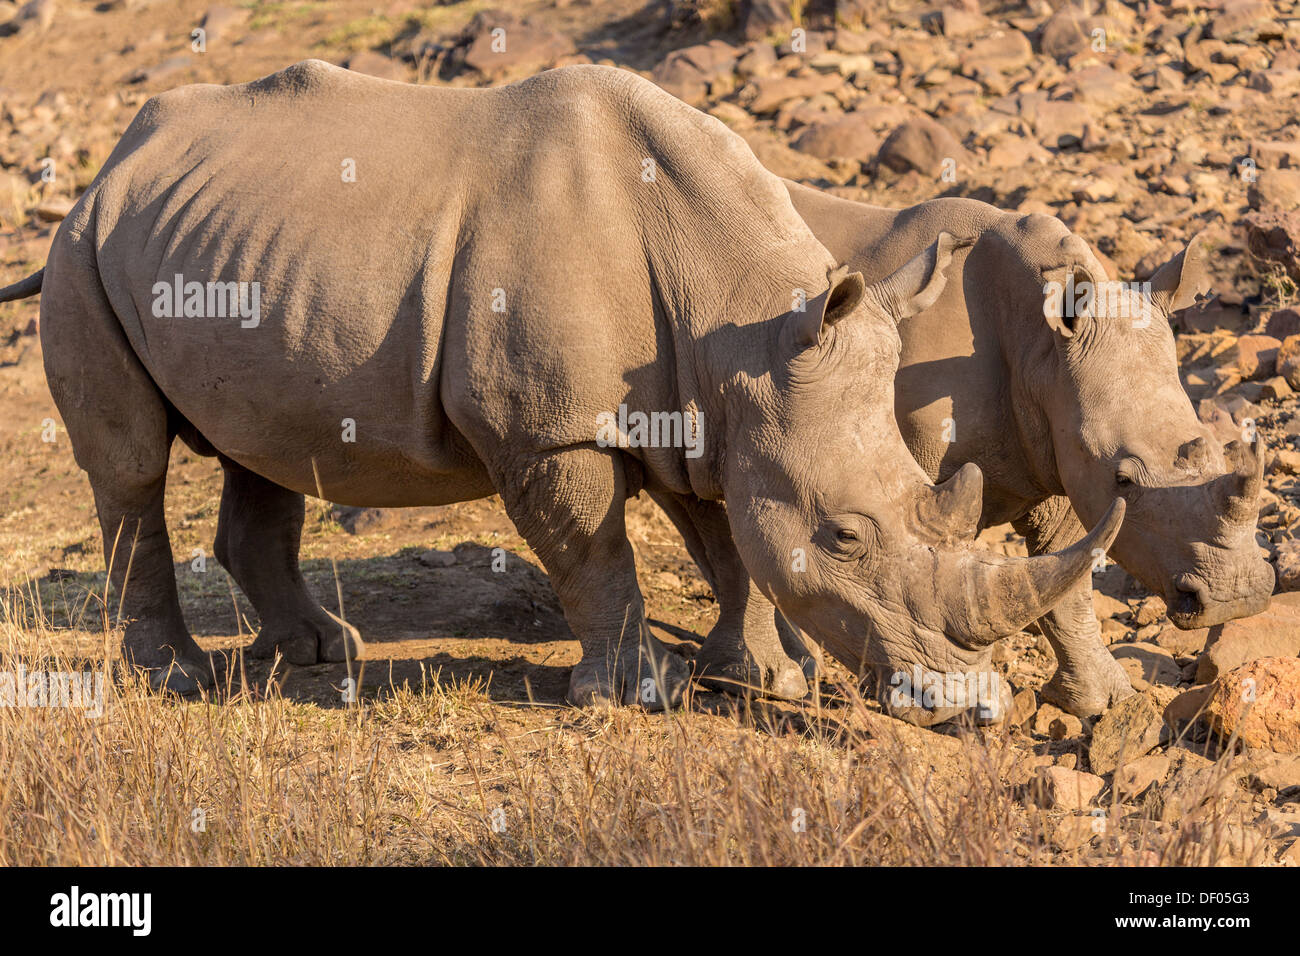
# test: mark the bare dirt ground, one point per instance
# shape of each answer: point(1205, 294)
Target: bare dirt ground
point(459, 748)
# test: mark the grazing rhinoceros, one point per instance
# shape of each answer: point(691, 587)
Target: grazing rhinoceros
point(397, 295)
point(1063, 412)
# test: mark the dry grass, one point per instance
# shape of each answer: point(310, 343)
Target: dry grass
point(442, 774)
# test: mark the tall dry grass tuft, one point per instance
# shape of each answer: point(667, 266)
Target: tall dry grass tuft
point(441, 773)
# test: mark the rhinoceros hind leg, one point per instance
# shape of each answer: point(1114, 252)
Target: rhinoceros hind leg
point(750, 649)
point(569, 505)
point(1088, 680)
point(259, 532)
point(121, 436)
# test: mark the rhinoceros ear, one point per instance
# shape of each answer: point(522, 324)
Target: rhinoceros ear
point(917, 285)
point(845, 292)
point(1178, 283)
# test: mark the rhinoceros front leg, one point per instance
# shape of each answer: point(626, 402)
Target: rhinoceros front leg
point(259, 532)
point(1087, 679)
point(569, 505)
point(750, 649)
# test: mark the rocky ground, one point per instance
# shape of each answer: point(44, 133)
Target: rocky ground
point(1140, 125)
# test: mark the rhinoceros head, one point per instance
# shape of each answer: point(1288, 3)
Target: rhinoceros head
point(1123, 425)
point(841, 528)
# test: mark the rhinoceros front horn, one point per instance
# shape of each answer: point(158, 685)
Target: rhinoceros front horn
point(998, 596)
point(1238, 491)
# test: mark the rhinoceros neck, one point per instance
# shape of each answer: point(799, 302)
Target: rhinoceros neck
point(729, 258)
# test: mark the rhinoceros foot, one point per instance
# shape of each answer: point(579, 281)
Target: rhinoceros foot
point(317, 639)
point(727, 663)
point(183, 676)
point(1088, 688)
point(649, 675)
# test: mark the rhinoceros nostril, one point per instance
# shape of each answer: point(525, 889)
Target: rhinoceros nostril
point(1190, 597)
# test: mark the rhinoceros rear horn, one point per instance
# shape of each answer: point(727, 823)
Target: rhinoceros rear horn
point(998, 595)
point(917, 285)
point(952, 508)
point(1238, 491)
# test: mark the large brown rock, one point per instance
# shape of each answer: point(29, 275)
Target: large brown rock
point(1129, 730)
point(689, 73)
point(1275, 235)
point(1259, 702)
point(1059, 788)
point(498, 43)
point(1257, 356)
point(848, 136)
point(1274, 633)
point(923, 145)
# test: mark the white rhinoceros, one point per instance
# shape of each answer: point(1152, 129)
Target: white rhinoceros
point(397, 295)
point(1063, 412)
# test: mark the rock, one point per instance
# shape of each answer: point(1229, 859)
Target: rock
point(767, 94)
point(1259, 702)
point(849, 136)
point(496, 43)
point(779, 158)
point(1186, 708)
point(1288, 360)
point(1003, 52)
point(688, 73)
point(1278, 188)
point(1273, 771)
point(1075, 830)
point(1135, 777)
point(1286, 562)
point(32, 18)
point(355, 520)
point(1059, 123)
point(1243, 21)
point(1194, 782)
point(1063, 35)
point(55, 209)
point(1276, 388)
point(1051, 721)
point(1274, 633)
point(1147, 663)
point(1058, 788)
point(1274, 235)
point(167, 69)
point(1130, 729)
point(1183, 643)
point(1102, 86)
point(1023, 705)
point(1257, 356)
point(1283, 323)
point(759, 18)
point(376, 64)
point(438, 559)
point(923, 145)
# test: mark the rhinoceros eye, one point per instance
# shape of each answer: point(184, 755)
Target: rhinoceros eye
point(1126, 475)
point(846, 536)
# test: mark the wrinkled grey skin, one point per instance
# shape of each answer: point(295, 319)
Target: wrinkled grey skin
point(1063, 414)
point(500, 273)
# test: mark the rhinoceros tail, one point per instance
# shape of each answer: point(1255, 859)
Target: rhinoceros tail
point(21, 290)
